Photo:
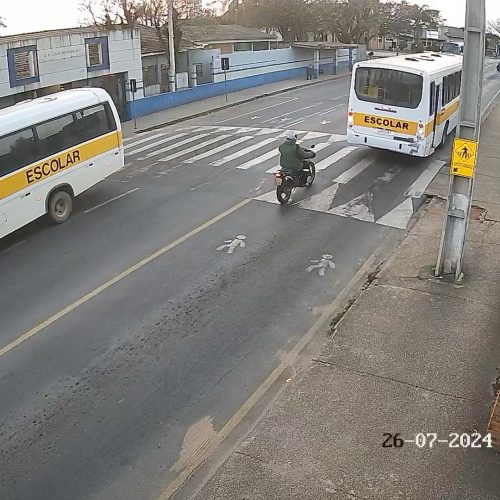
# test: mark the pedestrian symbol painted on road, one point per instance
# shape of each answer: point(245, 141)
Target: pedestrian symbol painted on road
point(464, 158)
point(232, 245)
point(323, 264)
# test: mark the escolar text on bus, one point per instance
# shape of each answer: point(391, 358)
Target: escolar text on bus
point(48, 168)
point(387, 122)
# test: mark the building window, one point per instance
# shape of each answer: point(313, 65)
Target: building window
point(242, 46)
point(199, 70)
point(97, 50)
point(150, 76)
point(260, 45)
point(23, 65)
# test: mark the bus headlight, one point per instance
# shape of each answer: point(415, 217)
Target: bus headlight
point(350, 119)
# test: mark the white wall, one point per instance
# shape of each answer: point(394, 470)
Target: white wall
point(62, 59)
point(244, 64)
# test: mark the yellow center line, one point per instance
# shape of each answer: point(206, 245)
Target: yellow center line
point(63, 312)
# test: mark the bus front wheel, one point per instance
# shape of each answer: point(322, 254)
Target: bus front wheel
point(60, 206)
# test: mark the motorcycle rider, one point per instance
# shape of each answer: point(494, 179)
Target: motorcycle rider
point(292, 157)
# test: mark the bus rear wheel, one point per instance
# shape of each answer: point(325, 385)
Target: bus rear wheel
point(60, 206)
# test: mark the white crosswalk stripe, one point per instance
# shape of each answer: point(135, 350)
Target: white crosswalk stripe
point(398, 217)
point(189, 140)
point(334, 158)
point(154, 144)
point(354, 171)
point(219, 149)
point(243, 152)
point(259, 160)
point(201, 145)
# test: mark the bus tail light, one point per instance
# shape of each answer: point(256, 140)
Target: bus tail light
point(420, 131)
point(350, 119)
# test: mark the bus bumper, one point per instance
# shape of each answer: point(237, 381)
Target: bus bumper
point(389, 143)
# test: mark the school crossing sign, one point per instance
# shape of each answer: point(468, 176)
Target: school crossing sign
point(464, 158)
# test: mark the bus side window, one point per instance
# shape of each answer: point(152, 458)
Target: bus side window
point(56, 135)
point(433, 98)
point(94, 122)
point(17, 150)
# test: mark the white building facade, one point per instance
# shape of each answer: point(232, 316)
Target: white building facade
point(38, 64)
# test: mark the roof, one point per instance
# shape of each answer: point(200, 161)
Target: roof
point(197, 36)
point(322, 45)
point(452, 32)
point(22, 37)
point(223, 33)
point(20, 115)
point(427, 62)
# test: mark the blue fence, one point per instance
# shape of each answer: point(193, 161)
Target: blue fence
point(153, 104)
point(161, 102)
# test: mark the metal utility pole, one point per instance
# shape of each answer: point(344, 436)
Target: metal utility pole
point(459, 204)
point(171, 47)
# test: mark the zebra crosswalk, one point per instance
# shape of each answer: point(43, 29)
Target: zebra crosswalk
point(248, 149)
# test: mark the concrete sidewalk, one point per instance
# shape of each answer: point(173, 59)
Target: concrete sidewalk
point(413, 354)
point(200, 108)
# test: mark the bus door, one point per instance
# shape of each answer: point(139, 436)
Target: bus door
point(436, 110)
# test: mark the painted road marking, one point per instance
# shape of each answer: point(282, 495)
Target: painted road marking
point(257, 110)
point(321, 202)
point(359, 208)
point(398, 217)
point(194, 148)
point(293, 112)
point(119, 277)
point(141, 141)
point(418, 188)
point(218, 438)
point(259, 160)
point(154, 144)
point(354, 171)
point(178, 144)
point(111, 200)
point(242, 152)
point(219, 149)
point(334, 158)
point(233, 244)
point(322, 264)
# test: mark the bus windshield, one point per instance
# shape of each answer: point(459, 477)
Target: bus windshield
point(389, 87)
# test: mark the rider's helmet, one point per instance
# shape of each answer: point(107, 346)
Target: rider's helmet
point(291, 135)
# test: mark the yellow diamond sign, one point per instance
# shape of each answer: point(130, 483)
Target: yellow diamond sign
point(464, 158)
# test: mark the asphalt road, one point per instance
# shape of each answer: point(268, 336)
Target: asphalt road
point(152, 315)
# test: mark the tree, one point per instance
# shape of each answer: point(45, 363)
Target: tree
point(352, 21)
point(111, 12)
point(420, 18)
point(2, 23)
point(495, 26)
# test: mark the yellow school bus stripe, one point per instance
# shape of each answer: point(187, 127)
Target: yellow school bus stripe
point(386, 123)
point(450, 110)
point(39, 171)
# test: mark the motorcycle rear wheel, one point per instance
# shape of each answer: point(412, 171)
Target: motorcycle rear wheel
point(310, 178)
point(284, 192)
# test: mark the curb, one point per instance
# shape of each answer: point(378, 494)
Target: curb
point(489, 107)
point(232, 105)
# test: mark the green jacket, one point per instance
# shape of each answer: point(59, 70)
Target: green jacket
point(292, 156)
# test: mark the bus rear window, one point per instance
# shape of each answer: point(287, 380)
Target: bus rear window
point(389, 87)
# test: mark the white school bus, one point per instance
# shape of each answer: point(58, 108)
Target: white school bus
point(408, 104)
point(52, 149)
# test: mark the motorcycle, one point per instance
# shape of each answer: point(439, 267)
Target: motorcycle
point(286, 182)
